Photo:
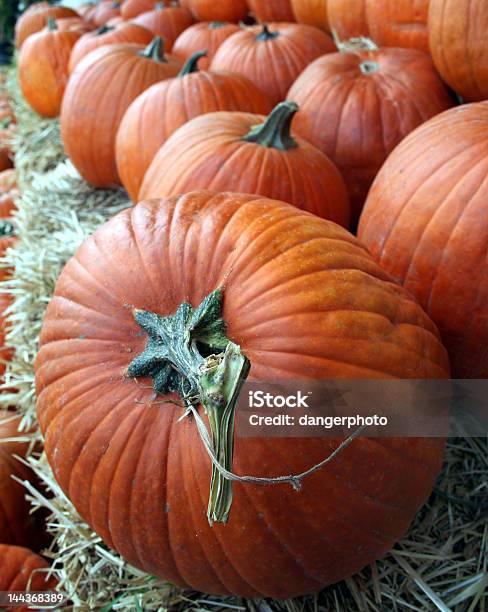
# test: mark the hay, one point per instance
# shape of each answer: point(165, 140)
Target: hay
point(441, 564)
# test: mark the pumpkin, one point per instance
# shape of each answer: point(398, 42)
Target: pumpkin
point(311, 12)
point(166, 21)
point(224, 10)
point(206, 35)
point(36, 19)
point(104, 12)
point(357, 106)
point(107, 35)
point(75, 24)
point(115, 21)
point(90, 118)
point(8, 192)
point(272, 57)
point(157, 113)
point(43, 68)
point(132, 8)
point(426, 222)
point(85, 9)
point(6, 152)
point(272, 10)
point(347, 18)
point(399, 23)
point(304, 300)
point(458, 44)
point(248, 153)
point(21, 569)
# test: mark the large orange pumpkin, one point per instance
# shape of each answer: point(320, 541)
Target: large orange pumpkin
point(272, 10)
point(399, 23)
point(99, 91)
point(249, 154)
point(223, 10)
point(347, 18)
point(272, 57)
point(36, 19)
point(357, 106)
point(157, 113)
point(304, 300)
point(426, 221)
point(107, 35)
point(311, 12)
point(166, 21)
point(206, 35)
point(458, 43)
point(43, 68)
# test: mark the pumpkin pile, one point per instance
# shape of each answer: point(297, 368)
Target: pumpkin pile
point(308, 180)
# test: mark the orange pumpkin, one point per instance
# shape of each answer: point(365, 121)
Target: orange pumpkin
point(357, 106)
point(104, 12)
point(75, 24)
point(132, 8)
point(426, 222)
point(8, 192)
point(272, 57)
point(311, 12)
point(224, 10)
point(206, 35)
point(36, 19)
point(157, 113)
point(272, 10)
point(6, 151)
point(398, 23)
point(43, 68)
point(166, 21)
point(108, 35)
point(347, 18)
point(304, 300)
point(457, 31)
point(250, 154)
point(99, 91)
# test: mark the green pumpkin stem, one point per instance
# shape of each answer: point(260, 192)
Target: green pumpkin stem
point(216, 25)
point(190, 354)
point(155, 50)
point(191, 64)
point(104, 29)
point(52, 26)
point(274, 133)
point(266, 34)
point(7, 228)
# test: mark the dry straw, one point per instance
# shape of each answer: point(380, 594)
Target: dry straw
point(441, 564)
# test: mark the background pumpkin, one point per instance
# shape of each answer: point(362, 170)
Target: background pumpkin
point(107, 35)
point(249, 154)
point(6, 152)
point(90, 118)
point(426, 221)
point(272, 57)
point(347, 18)
point(8, 191)
point(104, 12)
point(457, 36)
point(398, 23)
point(205, 35)
point(357, 106)
point(31, 22)
point(311, 12)
point(303, 299)
point(224, 10)
point(76, 24)
point(157, 113)
point(43, 68)
point(166, 21)
point(272, 10)
point(132, 8)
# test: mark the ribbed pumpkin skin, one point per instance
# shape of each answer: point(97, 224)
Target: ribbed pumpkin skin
point(132, 8)
point(399, 23)
point(223, 10)
point(124, 33)
point(209, 153)
point(347, 18)
point(274, 64)
point(311, 12)
point(157, 113)
point(43, 69)
point(104, 12)
point(90, 118)
point(203, 36)
point(272, 10)
point(304, 300)
point(426, 221)
point(19, 570)
point(36, 19)
point(75, 24)
point(357, 119)
point(168, 22)
point(457, 37)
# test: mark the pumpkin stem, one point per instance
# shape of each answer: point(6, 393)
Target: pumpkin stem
point(368, 67)
point(275, 133)
point(266, 34)
point(189, 353)
point(155, 50)
point(159, 6)
point(52, 26)
point(7, 228)
point(215, 25)
point(192, 63)
point(104, 29)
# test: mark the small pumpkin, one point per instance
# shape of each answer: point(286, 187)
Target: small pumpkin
point(426, 222)
point(36, 19)
point(100, 89)
point(108, 35)
point(224, 10)
point(357, 106)
point(272, 56)
point(248, 153)
point(399, 23)
point(104, 12)
point(43, 68)
point(166, 21)
point(458, 44)
point(205, 35)
point(157, 113)
point(311, 12)
point(272, 10)
point(347, 18)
